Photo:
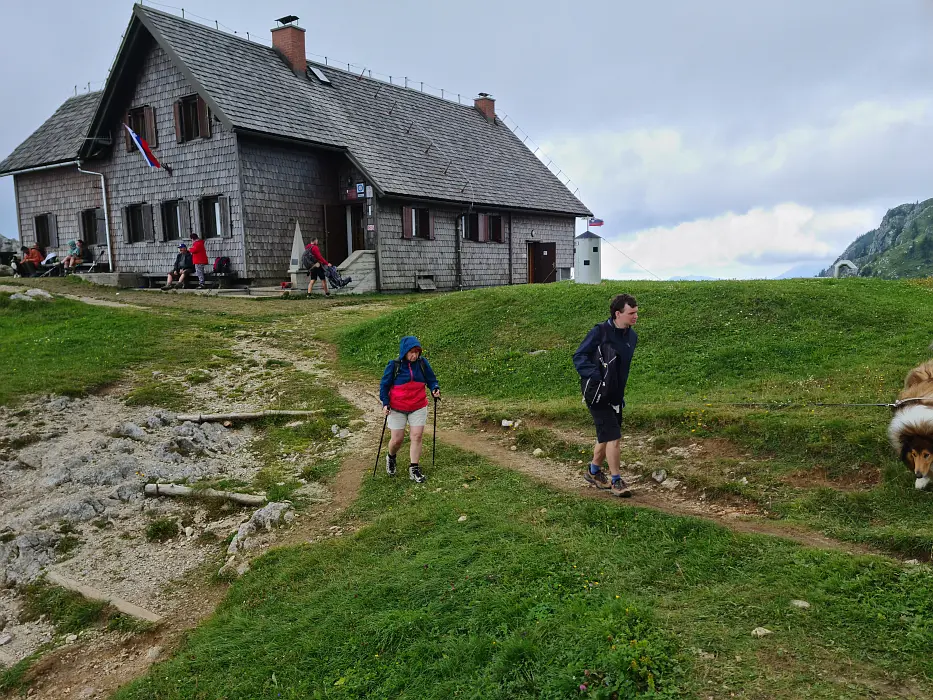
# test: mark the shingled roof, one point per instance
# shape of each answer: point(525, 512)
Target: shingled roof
point(407, 143)
point(59, 139)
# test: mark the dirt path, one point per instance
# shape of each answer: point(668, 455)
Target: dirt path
point(560, 477)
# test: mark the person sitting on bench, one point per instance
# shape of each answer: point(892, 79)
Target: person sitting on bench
point(183, 267)
point(33, 261)
point(78, 253)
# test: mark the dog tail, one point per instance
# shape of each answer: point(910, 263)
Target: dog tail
point(910, 422)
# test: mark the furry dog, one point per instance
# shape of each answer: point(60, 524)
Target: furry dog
point(911, 429)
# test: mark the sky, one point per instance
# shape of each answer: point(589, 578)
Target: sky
point(726, 138)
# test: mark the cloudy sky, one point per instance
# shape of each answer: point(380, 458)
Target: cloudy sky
point(721, 139)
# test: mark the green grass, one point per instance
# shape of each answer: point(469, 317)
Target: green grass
point(535, 589)
point(67, 347)
point(70, 612)
point(162, 529)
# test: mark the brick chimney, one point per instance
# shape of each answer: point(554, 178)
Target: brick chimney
point(289, 41)
point(486, 106)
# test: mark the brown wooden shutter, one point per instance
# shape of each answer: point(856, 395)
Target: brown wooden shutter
point(53, 230)
point(126, 134)
point(204, 119)
point(152, 133)
point(483, 228)
point(431, 224)
point(158, 225)
point(184, 218)
point(406, 222)
point(148, 230)
point(179, 130)
point(100, 227)
point(226, 229)
point(196, 218)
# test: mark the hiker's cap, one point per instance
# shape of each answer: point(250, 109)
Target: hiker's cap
point(182, 245)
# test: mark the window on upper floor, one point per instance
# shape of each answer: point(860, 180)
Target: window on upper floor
point(192, 119)
point(142, 121)
point(93, 227)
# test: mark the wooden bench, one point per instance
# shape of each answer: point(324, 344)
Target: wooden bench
point(212, 280)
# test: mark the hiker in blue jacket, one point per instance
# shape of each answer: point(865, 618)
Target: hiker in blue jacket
point(603, 361)
point(404, 400)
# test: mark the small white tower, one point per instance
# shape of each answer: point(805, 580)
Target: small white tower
point(299, 278)
point(586, 268)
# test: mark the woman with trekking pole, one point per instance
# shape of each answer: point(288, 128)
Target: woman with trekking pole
point(404, 401)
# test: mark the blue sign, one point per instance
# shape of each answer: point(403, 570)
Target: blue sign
point(360, 189)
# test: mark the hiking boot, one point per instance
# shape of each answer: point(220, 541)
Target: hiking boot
point(166, 288)
point(599, 479)
point(202, 286)
point(414, 473)
point(390, 464)
point(620, 488)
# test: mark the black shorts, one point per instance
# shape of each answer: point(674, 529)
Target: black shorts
point(316, 273)
point(608, 423)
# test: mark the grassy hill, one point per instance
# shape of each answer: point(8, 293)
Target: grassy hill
point(901, 247)
point(702, 346)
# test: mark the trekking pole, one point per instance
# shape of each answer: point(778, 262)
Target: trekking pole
point(434, 438)
point(381, 438)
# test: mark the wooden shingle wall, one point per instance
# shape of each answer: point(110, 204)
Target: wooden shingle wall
point(403, 259)
point(483, 264)
point(546, 229)
point(201, 168)
point(282, 184)
point(63, 192)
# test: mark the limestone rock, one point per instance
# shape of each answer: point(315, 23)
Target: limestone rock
point(20, 297)
point(23, 558)
point(538, 452)
point(659, 475)
point(760, 632)
point(38, 294)
point(130, 430)
point(801, 604)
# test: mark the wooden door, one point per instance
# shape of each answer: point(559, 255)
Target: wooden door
point(335, 233)
point(542, 262)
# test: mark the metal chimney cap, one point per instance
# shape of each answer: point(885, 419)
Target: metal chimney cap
point(287, 19)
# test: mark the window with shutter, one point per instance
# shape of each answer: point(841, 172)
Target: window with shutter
point(495, 229)
point(152, 133)
point(226, 227)
point(179, 129)
point(211, 216)
point(171, 221)
point(204, 119)
point(148, 229)
point(53, 231)
point(136, 119)
point(92, 226)
point(483, 228)
point(133, 224)
point(42, 231)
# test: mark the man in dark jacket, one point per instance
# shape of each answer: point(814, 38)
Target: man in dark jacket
point(602, 361)
point(183, 267)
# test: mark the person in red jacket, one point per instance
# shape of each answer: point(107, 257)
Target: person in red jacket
point(316, 272)
point(198, 257)
point(402, 392)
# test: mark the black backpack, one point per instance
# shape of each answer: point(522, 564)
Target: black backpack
point(398, 367)
point(222, 266)
point(597, 393)
point(308, 260)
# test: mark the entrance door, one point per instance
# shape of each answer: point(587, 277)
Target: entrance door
point(356, 229)
point(335, 234)
point(542, 262)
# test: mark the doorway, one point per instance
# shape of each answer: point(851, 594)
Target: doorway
point(335, 234)
point(542, 262)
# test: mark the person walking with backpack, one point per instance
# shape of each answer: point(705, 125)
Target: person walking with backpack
point(314, 263)
point(404, 400)
point(603, 361)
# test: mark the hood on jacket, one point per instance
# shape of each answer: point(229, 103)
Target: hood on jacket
point(406, 344)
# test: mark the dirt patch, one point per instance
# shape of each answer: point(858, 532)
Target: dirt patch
point(647, 494)
point(863, 479)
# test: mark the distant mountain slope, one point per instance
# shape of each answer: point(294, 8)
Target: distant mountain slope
point(902, 246)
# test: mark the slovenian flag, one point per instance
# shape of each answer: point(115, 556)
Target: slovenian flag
point(143, 147)
point(592, 222)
